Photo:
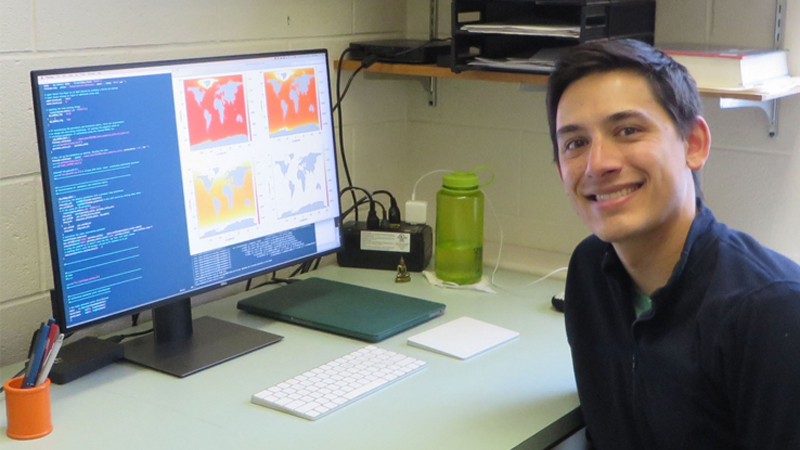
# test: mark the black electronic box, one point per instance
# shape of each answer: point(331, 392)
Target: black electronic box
point(408, 51)
point(382, 248)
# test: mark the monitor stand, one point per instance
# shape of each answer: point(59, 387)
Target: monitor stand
point(181, 346)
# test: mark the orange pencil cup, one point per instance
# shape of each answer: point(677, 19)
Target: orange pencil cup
point(27, 410)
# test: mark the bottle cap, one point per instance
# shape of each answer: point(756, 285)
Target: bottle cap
point(460, 180)
point(466, 180)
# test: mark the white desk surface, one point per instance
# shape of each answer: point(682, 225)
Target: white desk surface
point(495, 400)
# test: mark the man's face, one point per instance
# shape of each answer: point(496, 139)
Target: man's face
point(621, 159)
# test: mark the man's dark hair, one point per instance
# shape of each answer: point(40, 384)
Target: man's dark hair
point(672, 86)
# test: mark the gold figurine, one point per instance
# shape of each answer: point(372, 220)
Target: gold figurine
point(402, 272)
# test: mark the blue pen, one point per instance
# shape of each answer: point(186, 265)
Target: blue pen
point(34, 340)
point(36, 358)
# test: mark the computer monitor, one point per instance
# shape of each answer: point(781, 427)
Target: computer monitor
point(166, 179)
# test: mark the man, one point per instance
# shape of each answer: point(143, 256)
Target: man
point(685, 334)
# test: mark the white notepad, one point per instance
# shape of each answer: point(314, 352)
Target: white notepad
point(463, 338)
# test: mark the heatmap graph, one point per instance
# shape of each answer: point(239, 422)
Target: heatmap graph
point(216, 111)
point(225, 200)
point(292, 104)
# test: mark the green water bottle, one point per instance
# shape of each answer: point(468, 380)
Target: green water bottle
point(459, 228)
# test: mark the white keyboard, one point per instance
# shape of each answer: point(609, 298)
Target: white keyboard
point(338, 383)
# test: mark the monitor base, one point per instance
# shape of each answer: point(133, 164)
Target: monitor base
point(212, 342)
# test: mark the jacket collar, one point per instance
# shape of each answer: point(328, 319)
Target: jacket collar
point(697, 237)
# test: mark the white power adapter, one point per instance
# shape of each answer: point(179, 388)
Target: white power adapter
point(416, 212)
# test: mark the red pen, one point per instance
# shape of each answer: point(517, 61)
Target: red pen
point(51, 337)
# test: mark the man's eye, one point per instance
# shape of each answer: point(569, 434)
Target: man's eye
point(575, 143)
point(627, 131)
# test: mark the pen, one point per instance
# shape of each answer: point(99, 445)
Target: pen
point(48, 362)
point(28, 364)
point(52, 334)
point(36, 358)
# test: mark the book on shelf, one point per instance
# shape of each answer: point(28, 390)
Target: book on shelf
point(727, 67)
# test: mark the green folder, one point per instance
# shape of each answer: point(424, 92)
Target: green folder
point(354, 311)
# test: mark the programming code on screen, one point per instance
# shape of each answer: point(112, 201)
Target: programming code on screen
point(168, 179)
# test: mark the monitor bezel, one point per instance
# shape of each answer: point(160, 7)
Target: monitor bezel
point(56, 294)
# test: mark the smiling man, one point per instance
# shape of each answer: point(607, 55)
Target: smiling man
point(685, 334)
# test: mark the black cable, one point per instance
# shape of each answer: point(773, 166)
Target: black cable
point(135, 320)
point(409, 50)
point(362, 201)
point(368, 61)
point(341, 128)
point(356, 188)
point(277, 281)
point(394, 210)
point(383, 191)
point(316, 264)
point(372, 59)
point(121, 337)
point(346, 86)
point(373, 223)
point(297, 271)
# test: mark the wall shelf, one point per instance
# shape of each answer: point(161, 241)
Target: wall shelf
point(428, 73)
point(433, 71)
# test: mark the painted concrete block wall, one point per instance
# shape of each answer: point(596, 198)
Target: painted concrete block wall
point(51, 33)
point(392, 137)
point(751, 182)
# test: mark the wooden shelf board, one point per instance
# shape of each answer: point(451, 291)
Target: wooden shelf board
point(430, 70)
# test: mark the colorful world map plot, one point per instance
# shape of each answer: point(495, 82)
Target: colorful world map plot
point(225, 200)
point(291, 101)
point(216, 111)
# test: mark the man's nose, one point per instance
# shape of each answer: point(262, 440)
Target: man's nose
point(604, 158)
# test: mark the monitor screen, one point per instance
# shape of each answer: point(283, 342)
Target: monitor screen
point(166, 179)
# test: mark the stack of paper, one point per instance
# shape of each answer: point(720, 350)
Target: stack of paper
point(542, 61)
point(463, 338)
point(554, 30)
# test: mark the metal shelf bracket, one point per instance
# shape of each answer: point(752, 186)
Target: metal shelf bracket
point(431, 84)
point(770, 108)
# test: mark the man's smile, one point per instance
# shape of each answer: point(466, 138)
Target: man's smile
point(614, 194)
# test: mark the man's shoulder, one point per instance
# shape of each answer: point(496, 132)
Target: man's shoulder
point(745, 276)
point(740, 253)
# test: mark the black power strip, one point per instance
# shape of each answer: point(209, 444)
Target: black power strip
point(409, 51)
point(382, 248)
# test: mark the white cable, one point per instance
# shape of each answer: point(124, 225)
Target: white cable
point(499, 227)
point(500, 251)
point(414, 192)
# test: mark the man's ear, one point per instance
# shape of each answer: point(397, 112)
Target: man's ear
point(698, 144)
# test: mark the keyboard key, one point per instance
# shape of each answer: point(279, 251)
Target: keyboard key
point(338, 383)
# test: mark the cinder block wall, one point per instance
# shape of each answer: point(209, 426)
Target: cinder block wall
point(751, 182)
point(52, 33)
point(392, 137)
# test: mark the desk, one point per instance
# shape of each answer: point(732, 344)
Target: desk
point(496, 400)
